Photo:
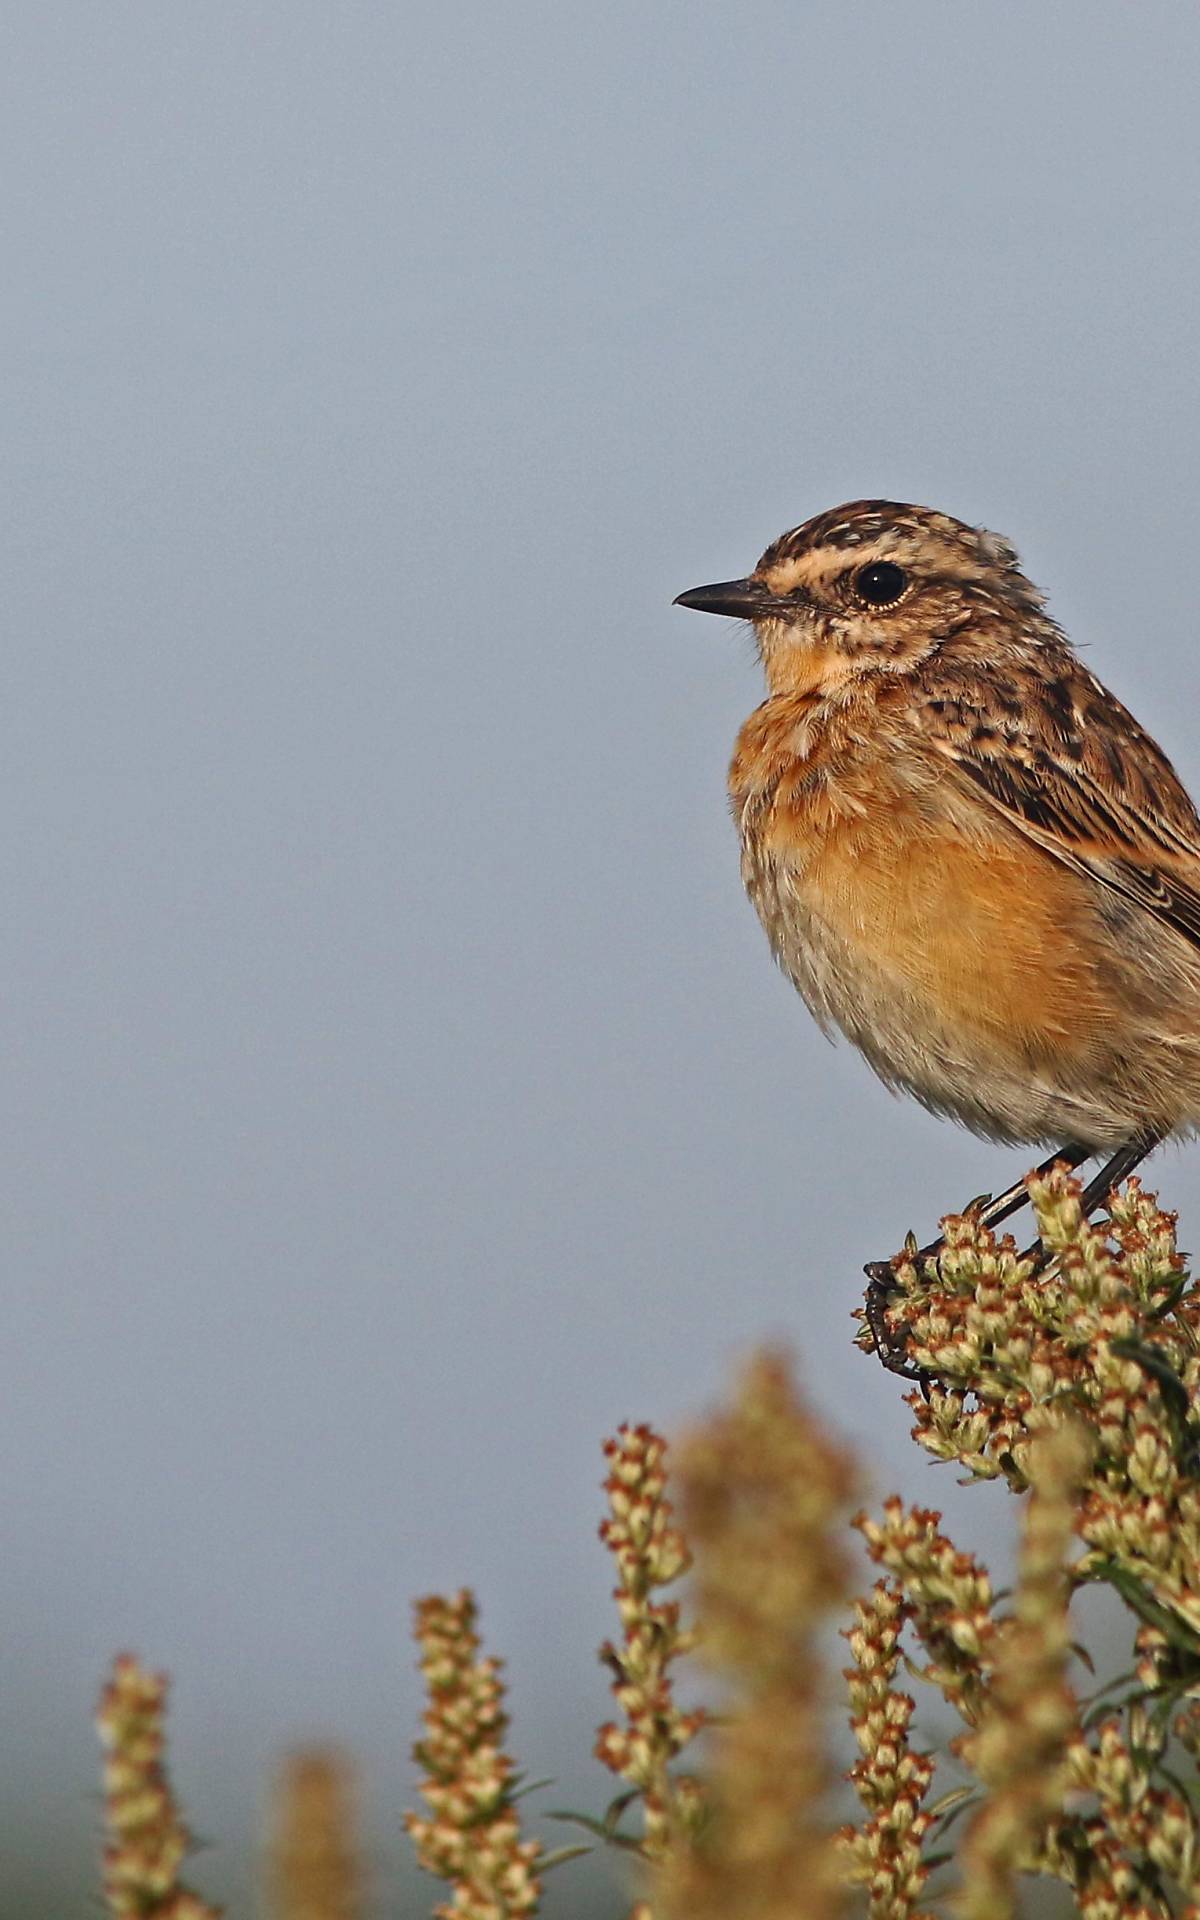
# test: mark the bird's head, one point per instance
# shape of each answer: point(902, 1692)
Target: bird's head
point(874, 586)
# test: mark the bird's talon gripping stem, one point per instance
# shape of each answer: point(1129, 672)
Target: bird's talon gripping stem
point(891, 1343)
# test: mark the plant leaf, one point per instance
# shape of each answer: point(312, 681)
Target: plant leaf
point(546, 1862)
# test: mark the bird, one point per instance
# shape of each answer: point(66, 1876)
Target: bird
point(967, 855)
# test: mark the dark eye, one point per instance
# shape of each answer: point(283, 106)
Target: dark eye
point(880, 584)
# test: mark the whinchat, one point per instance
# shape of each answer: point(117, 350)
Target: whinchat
point(966, 853)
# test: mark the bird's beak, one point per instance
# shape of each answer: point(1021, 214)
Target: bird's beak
point(740, 599)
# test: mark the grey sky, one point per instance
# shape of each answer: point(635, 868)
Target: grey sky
point(399, 1092)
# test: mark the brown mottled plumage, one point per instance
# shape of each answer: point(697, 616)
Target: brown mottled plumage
point(966, 853)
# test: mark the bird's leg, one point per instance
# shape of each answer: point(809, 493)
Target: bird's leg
point(890, 1343)
point(1013, 1198)
point(1124, 1161)
point(994, 1210)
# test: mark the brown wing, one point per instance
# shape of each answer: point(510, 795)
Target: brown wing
point(1068, 765)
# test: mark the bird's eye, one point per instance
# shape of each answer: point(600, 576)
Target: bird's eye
point(881, 584)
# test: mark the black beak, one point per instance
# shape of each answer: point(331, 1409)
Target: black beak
point(740, 599)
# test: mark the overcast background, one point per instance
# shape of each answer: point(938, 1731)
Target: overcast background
point(398, 1092)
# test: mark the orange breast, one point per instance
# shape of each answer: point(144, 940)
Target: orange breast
point(970, 966)
point(1001, 940)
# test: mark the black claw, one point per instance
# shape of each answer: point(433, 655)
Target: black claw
point(891, 1343)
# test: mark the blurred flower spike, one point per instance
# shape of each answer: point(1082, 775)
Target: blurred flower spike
point(147, 1841)
point(315, 1871)
point(471, 1837)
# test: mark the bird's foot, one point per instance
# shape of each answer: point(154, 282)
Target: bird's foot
point(890, 1340)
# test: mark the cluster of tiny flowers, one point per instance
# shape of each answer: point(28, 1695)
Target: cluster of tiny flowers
point(1104, 1329)
point(472, 1837)
point(315, 1873)
point(762, 1493)
point(950, 1600)
point(1095, 1334)
point(1098, 1319)
point(1107, 1331)
point(147, 1840)
point(1141, 1830)
point(650, 1553)
point(891, 1778)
